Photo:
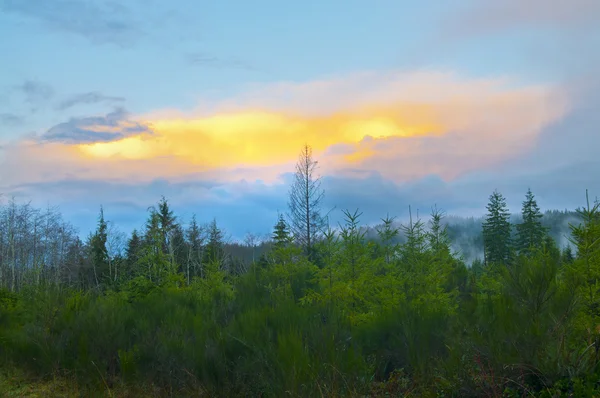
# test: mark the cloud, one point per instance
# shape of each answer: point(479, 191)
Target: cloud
point(258, 203)
point(489, 17)
point(36, 93)
point(210, 61)
point(113, 126)
point(383, 141)
point(99, 21)
point(402, 125)
point(92, 97)
point(10, 119)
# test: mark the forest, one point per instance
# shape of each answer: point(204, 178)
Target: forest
point(503, 306)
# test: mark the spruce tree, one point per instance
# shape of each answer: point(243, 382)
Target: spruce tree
point(99, 253)
point(214, 251)
point(439, 241)
point(133, 252)
point(567, 255)
point(195, 241)
point(497, 231)
point(167, 225)
point(281, 235)
point(388, 234)
point(530, 233)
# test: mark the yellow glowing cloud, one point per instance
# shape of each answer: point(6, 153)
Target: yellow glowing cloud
point(256, 138)
point(419, 124)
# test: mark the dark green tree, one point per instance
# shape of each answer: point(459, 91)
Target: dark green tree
point(497, 231)
point(438, 239)
point(154, 261)
point(195, 241)
point(178, 246)
point(530, 233)
point(98, 251)
point(281, 235)
point(168, 223)
point(133, 253)
point(567, 255)
point(214, 252)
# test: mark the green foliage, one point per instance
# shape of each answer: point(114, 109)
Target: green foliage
point(371, 319)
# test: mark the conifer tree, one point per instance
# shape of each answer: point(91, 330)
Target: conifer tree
point(195, 249)
point(439, 241)
point(167, 224)
point(530, 233)
point(567, 255)
point(154, 258)
point(99, 253)
point(214, 251)
point(178, 246)
point(497, 231)
point(281, 236)
point(416, 241)
point(133, 252)
point(388, 233)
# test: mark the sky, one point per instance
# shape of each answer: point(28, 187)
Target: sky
point(114, 104)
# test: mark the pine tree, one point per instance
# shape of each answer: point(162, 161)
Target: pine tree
point(530, 233)
point(416, 241)
point(439, 241)
point(195, 249)
point(99, 253)
point(167, 225)
point(567, 255)
point(281, 236)
point(497, 231)
point(214, 251)
point(133, 252)
point(178, 246)
point(387, 234)
point(154, 259)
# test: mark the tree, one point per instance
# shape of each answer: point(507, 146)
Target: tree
point(530, 233)
point(133, 252)
point(416, 241)
point(281, 235)
point(567, 255)
point(305, 199)
point(387, 234)
point(496, 231)
point(97, 243)
point(439, 242)
point(195, 242)
point(167, 225)
point(214, 252)
point(154, 259)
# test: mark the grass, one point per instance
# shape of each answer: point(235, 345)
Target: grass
point(15, 383)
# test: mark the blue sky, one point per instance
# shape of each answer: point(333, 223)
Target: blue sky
point(461, 97)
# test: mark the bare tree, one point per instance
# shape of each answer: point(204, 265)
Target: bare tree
point(305, 199)
point(252, 241)
point(116, 244)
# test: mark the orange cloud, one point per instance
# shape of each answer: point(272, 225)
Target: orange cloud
point(402, 125)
